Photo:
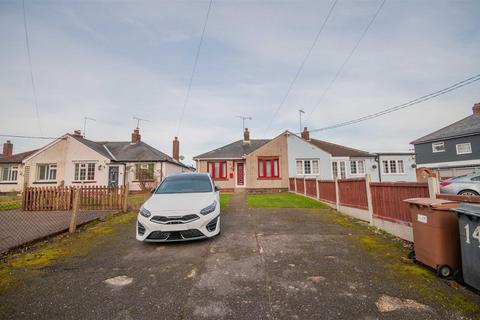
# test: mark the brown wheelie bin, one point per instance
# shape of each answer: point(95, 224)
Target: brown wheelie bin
point(435, 234)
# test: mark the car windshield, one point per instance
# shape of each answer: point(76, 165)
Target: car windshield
point(185, 184)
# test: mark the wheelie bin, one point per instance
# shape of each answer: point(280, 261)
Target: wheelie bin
point(469, 229)
point(435, 234)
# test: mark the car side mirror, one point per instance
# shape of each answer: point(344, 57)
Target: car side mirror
point(217, 188)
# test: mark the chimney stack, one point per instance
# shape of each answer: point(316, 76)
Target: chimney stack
point(176, 149)
point(136, 137)
point(306, 134)
point(246, 136)
point(8, 148)
point(77, 133)
point(476, 109)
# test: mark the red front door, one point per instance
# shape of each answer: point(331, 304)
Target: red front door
point(240, 174)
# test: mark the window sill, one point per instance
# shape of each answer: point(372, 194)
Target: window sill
point(272, 178)
point(44, 182)
point(86, 181)
point(8, 182)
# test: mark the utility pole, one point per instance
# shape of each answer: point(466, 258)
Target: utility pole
point(300, 112)
point(138, 121)
point(243, 120)
point(85, 125)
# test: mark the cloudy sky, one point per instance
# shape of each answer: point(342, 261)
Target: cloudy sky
point(112, 60)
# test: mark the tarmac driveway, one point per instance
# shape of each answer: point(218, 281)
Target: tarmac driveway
point(267, 263)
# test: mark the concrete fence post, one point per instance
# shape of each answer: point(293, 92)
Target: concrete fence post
point(125, 199)
point(433, 187)
point(368, 179)
point(295, 184)
point(317, 188)
point(337, 194)
point(304, 186)
point(75, 205)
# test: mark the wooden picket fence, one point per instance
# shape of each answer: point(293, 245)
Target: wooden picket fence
point(62, 198)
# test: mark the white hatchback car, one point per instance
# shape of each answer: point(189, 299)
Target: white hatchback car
point(184, 206)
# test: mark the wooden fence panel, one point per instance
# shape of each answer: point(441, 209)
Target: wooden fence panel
point(61, 198)
point(291, 184)
point(387, 199)
point(353, 193)
point(326, 190)
point(300, 185)
point(311, 187)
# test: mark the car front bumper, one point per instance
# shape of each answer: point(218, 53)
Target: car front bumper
point(203, 227)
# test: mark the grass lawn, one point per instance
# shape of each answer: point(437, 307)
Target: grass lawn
point(282, 200)
point(136, 200)
point(10, 202)
point(225, 200)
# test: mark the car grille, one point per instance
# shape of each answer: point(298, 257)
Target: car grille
point(141, 229)
point(175, 235)
point(212, 225)
point(175, 220)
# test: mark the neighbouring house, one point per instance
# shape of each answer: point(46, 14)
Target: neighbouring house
point(12, 169)
point(453, 150)
point(324, 160)
point(254, 165)
point(73, 160)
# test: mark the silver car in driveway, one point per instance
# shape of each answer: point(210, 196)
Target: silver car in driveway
point(467, 185)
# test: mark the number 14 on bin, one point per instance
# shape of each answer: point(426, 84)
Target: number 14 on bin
point(475, 235)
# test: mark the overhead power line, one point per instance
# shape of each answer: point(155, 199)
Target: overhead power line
point(410, 103)
point(29, 56)
point(340, 70)
point(27, 137)
point(302, 64)
point(187, 96)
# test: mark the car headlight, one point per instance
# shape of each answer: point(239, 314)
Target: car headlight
point(209, 209)
point(144, 212)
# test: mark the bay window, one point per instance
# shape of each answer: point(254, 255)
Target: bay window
point(307, 167)
point(357, 167)
point(268, 168)
point(46, 172)
point(85, 171)
point(8, 173)
point(218, 169)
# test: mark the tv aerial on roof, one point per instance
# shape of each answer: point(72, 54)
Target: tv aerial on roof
point(138, 121)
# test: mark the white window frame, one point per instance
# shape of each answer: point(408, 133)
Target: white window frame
point(438, 144)
point(464, 144)
point(310, 162)
point(341, 168)
point(50, 168)
point(357, 167)
point(12, 174)
point(396, 165)
point(83, 166)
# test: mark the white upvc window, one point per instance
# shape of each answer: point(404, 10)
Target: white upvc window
point(393, 167)
point(357, 167)
point(464, 148)
point(339, 169)
point(46, 172)
point(438, 147)
point(85, 171)
point(310, 166)
point(8, 173)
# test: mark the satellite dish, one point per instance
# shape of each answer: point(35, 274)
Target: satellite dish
point(182, 157)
